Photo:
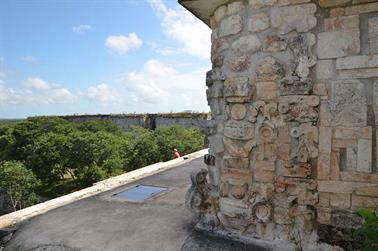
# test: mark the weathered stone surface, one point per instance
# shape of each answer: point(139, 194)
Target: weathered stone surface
point(239, 130)
point(300, 170)
point(216, 143)
point(324, 165)
point(238, 149)
point(238, 90)
point(375, 102)
point(238, 111)
point(359, 202)
point(220, 13)
point(235, 7)
point(358, 73)
point(238, 63)
point(324, 215)
point(364, 155)
point(246, 44)
point(298, 108)
point(354, 62)
point(256, 4)
point(269, 69)
point(273, 43)
point(234, 162)
point(339, 200)
point(368, 190)
point(258, 22)
point(230, 25)
point(300, 18)
point(324, 199)
point(262, 175)
point(341, 23)
point(320, 89)
point(291, 2)
point(234, 208)
point(337, 12)
point(214, 175)
point(265, 165)
point(332, 3)
point(325, 139)
point(218, 46)
point(267, 90)
point(335, 166)
point(325, 69)
point(373, 35)
point(363, 8)
point(348, 43)
point(346, 187)
point(236, 177)
point(345, 219)
point(353, 133)
point(293, 85)
point(348, 105)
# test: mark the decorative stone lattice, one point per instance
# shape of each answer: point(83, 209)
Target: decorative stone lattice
point(294, 98)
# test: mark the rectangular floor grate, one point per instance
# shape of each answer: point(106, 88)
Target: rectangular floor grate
point(140, 193)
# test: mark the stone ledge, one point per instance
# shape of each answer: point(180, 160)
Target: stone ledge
point(11, 219)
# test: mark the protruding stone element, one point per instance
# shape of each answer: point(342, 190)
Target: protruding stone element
point(300, 18)
point(363, 8)
point(234, 162)
point(238, 111)
point(220, 13)
point(262, 211)
point(197, 195)
point(348, 105)
point(239, 130)
point(258, 22)
point(266, 133)
point(333, 3)
point(209, 159)
point(246, 44)
point(256, 4)
point(348, 43)
point(291, 2)
point(267, 90)
point(216, 144)
point(238, 90)
point(238, 63)
point(373, 35)
point(230, 26)
point(299, 108)
point(234, 208)
point(269, 69)
point(293, 85)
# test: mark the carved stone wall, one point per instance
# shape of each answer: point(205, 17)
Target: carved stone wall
point(293, 92)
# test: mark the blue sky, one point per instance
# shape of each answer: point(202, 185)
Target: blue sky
point(100, 56)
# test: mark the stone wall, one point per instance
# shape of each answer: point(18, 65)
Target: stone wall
point(293, 93)
point(150, 121)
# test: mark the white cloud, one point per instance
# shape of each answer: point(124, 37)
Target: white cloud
point(28, 59)
point(182, 26)
point(36, 83)
point(81, 28)
point(122, 44)
point(103, 93)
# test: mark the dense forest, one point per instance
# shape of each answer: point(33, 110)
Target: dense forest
point(46, 157)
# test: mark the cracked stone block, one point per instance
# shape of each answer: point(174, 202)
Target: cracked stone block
point(230, 26)
point(348, 43)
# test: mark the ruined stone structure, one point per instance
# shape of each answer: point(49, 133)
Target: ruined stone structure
point(293, 92)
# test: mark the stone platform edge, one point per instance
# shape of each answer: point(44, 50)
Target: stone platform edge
point(14, 218)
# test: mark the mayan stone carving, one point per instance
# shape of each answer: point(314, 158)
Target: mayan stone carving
point(293, 93)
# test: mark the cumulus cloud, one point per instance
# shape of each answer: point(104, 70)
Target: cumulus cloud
point(183, 27)
point(122, 44)
point(36, 83)
point(35, 91)
point(103, 93)
point(81, 28)
point(28, 59)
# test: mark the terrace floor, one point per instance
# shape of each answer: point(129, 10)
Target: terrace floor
point(103, 223)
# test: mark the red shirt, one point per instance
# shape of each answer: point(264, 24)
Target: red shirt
point(176, 155)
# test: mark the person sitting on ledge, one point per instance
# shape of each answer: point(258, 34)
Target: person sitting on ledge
point(175, 154)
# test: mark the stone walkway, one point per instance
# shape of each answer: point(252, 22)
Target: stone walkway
point(103, 223)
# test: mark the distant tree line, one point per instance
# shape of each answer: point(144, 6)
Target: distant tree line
point(50, 156)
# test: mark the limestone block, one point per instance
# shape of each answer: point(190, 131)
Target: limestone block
point(239, 192)
point(299, 17)
point(342, 23)
point(346, 187)
point(234, 208)
point(281, 216)
point(348, 104)
point(230, 25)
point(325, 69)
point(256, 4)
point(266, 231)
point(373, 35)
point(266, 90)
point(359, 202)
point(214, 91)
point(299, 108)
point(265, 165)
point(335, 166)
point(358, 73)
point(234, 7)
point(238, 148)
point(258, 22)
point(239, 130)
point(358, 177)
point(324, 166)
point(345, 219)
point(274, 43)
point(353, 133)
point(320, 89)
point(337, 12)
point(291, 2)
point(332, 3)
point(323, 215)
point(237, 63)
point(216, 143)
point(238, 111)
point(363, 8)
point(218, 46)
point(364, 155)
point(235, 162)
point(283, 152)
point(340, 200)
point(294, 85)
point(336, 44)
point(300, 170)
point(220, 13)
point(237, 90)
point(375, 101)
point(247, 44)
point(357, 62)
point(214, 175)
point(325, 139)
point(261, 175)
point(368, 190)
point(269, 69)
point(324, 199)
